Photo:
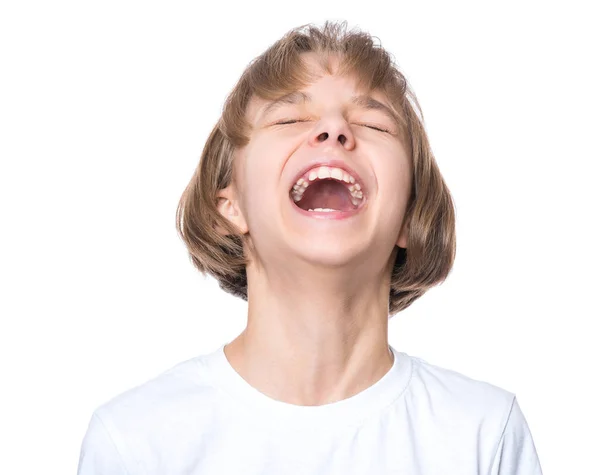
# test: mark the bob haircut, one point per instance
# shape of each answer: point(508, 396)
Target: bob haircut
point(430, 216)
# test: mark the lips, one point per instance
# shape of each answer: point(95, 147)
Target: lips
point(330, 215)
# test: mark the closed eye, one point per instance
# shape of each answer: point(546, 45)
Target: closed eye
point(376, 128)
point(292, 121)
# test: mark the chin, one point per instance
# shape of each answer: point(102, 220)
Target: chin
point(328, 251)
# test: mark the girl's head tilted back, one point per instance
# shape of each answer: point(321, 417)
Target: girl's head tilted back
point(321, 95)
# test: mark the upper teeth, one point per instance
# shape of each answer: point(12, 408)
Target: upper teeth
point(327, 172)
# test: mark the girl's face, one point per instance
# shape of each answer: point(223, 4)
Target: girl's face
point(327, 120)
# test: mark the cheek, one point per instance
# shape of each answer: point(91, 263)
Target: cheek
point(270, 148)
point(263, 176)
point(394, 180)
point(267, 159)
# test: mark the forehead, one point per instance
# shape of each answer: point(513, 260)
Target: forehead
point(328, 72)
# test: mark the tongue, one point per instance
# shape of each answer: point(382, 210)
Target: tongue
point(326, 194)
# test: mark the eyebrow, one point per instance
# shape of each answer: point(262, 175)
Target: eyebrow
point(295, 97)
point(363, 101)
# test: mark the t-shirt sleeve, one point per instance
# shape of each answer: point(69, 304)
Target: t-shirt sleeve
point(99, 455)
point(516, 453)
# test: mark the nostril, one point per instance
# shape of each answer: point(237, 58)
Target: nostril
point(323, 136)
point(342, 139)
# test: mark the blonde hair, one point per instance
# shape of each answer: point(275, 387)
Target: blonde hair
point(431, 242)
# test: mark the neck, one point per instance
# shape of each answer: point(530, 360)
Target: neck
point(313, 341)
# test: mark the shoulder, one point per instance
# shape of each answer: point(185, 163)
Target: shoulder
point(459, 397)
point(460, 415)
point(456, 387)
point(140, 422)
point(161, 401)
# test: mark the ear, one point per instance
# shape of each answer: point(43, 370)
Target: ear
point(403, 236)
point(228, 206)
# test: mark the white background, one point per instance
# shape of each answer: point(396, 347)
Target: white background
point(104, 109)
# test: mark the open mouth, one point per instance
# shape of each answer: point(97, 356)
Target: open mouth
point(327, 189)
point(326, 195)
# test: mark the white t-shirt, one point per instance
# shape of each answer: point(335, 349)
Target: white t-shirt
point(202, 417)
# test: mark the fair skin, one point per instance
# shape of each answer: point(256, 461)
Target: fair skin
point(318, 290)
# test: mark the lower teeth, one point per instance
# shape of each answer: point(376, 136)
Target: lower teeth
point(322, 209)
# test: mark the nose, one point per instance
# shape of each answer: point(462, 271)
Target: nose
point(332, 131)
